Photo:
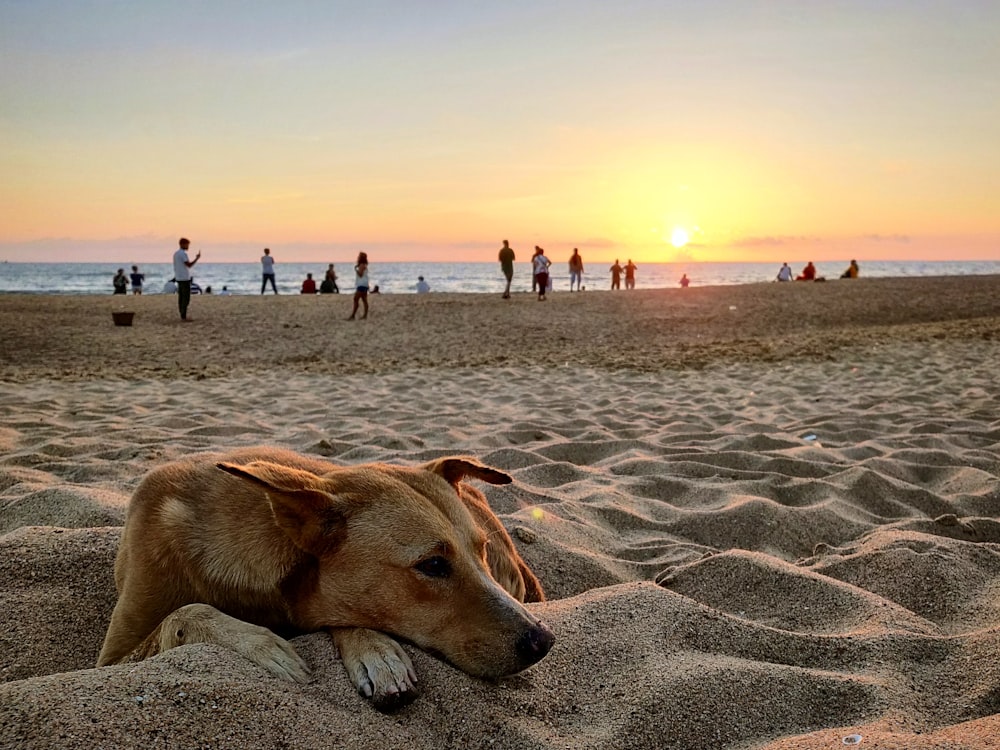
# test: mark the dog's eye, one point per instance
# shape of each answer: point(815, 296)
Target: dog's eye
point(434, 567)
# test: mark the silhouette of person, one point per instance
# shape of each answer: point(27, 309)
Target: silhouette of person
point(182, 275)
point(575, 270)
point(685, 281)
point(540, 264)
point(120, 282)
point(137, 279)
point(808, 273)
point(630, 268)
point(309, 285)
point(329, 285)
point(616, 275)
point(506, 257)
point(360, 285)
point(267, 264)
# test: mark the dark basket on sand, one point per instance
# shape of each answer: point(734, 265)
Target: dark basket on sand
point(122, 318)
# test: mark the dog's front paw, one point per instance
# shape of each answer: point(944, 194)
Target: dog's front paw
point(377, 666)
point(200, 623)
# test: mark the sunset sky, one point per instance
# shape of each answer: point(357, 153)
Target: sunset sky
point(660, 130)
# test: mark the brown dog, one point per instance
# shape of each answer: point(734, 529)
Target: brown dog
point(227, 548)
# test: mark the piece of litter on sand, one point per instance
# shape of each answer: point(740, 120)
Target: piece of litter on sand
point(810, 436)
point(852, 739)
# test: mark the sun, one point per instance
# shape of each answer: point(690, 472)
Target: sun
point(679, 237)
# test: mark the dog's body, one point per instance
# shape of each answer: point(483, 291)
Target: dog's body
point(231, 548)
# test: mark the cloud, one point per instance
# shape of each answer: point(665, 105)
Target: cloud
point(897, 238)
point(774, 241)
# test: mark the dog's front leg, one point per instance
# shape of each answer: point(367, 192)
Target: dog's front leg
point(201, 623)
point(377, 666)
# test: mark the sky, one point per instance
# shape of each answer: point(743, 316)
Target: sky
point(661, 130)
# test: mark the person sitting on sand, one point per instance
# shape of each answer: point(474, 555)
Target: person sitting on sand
point(852, 271)
point(120, 282)
point(785, 272)
point(329, 285)
point(808, 273)
point(308, 286)
point(422, 286)
point(685, 281)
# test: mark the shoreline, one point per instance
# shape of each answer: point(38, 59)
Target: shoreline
point(646, 330)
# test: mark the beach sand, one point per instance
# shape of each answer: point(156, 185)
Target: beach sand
point(765, 516)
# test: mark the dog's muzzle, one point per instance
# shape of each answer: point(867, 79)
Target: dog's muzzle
point(534, 644)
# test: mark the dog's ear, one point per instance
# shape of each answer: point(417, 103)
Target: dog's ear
point(456, 468)
point(309, 516)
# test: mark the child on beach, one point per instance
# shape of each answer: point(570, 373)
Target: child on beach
point(360, 285)
point(137, 279)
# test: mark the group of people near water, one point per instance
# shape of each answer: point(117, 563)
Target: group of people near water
point(541, 281)
point(809, 272)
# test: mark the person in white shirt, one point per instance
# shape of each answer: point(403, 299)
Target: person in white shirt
point(785, 274)
point(540, 265)
point(182, 275)
point(267, 263)
point(422, 286)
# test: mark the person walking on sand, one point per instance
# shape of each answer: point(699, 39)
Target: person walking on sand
point(267, 264)
point(360, 285)
point(507, 266)
point(630, 268)
point(785, 272)
point(120, 282)
point(576, 270)
point(540, 265)
point(182, 275)
point(616, 275)
point(137, 279)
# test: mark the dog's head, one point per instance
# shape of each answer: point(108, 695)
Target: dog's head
point(404, 551)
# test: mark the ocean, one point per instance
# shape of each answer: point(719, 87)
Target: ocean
point(401, 278)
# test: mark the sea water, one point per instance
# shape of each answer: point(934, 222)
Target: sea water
point(401, 278)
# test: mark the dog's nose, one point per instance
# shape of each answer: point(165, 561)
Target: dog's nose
point(534, 644)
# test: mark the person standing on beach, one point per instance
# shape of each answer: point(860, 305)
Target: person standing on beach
point(137, 279)
point(182, 275)
point(360, 285)
point(540, 265)
point(267, 263)
point(616, 275)
point(507, 266)
point(630, 268)
point(576, 270)
point(120, 282)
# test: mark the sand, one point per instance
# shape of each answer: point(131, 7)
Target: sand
point(765, 516)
